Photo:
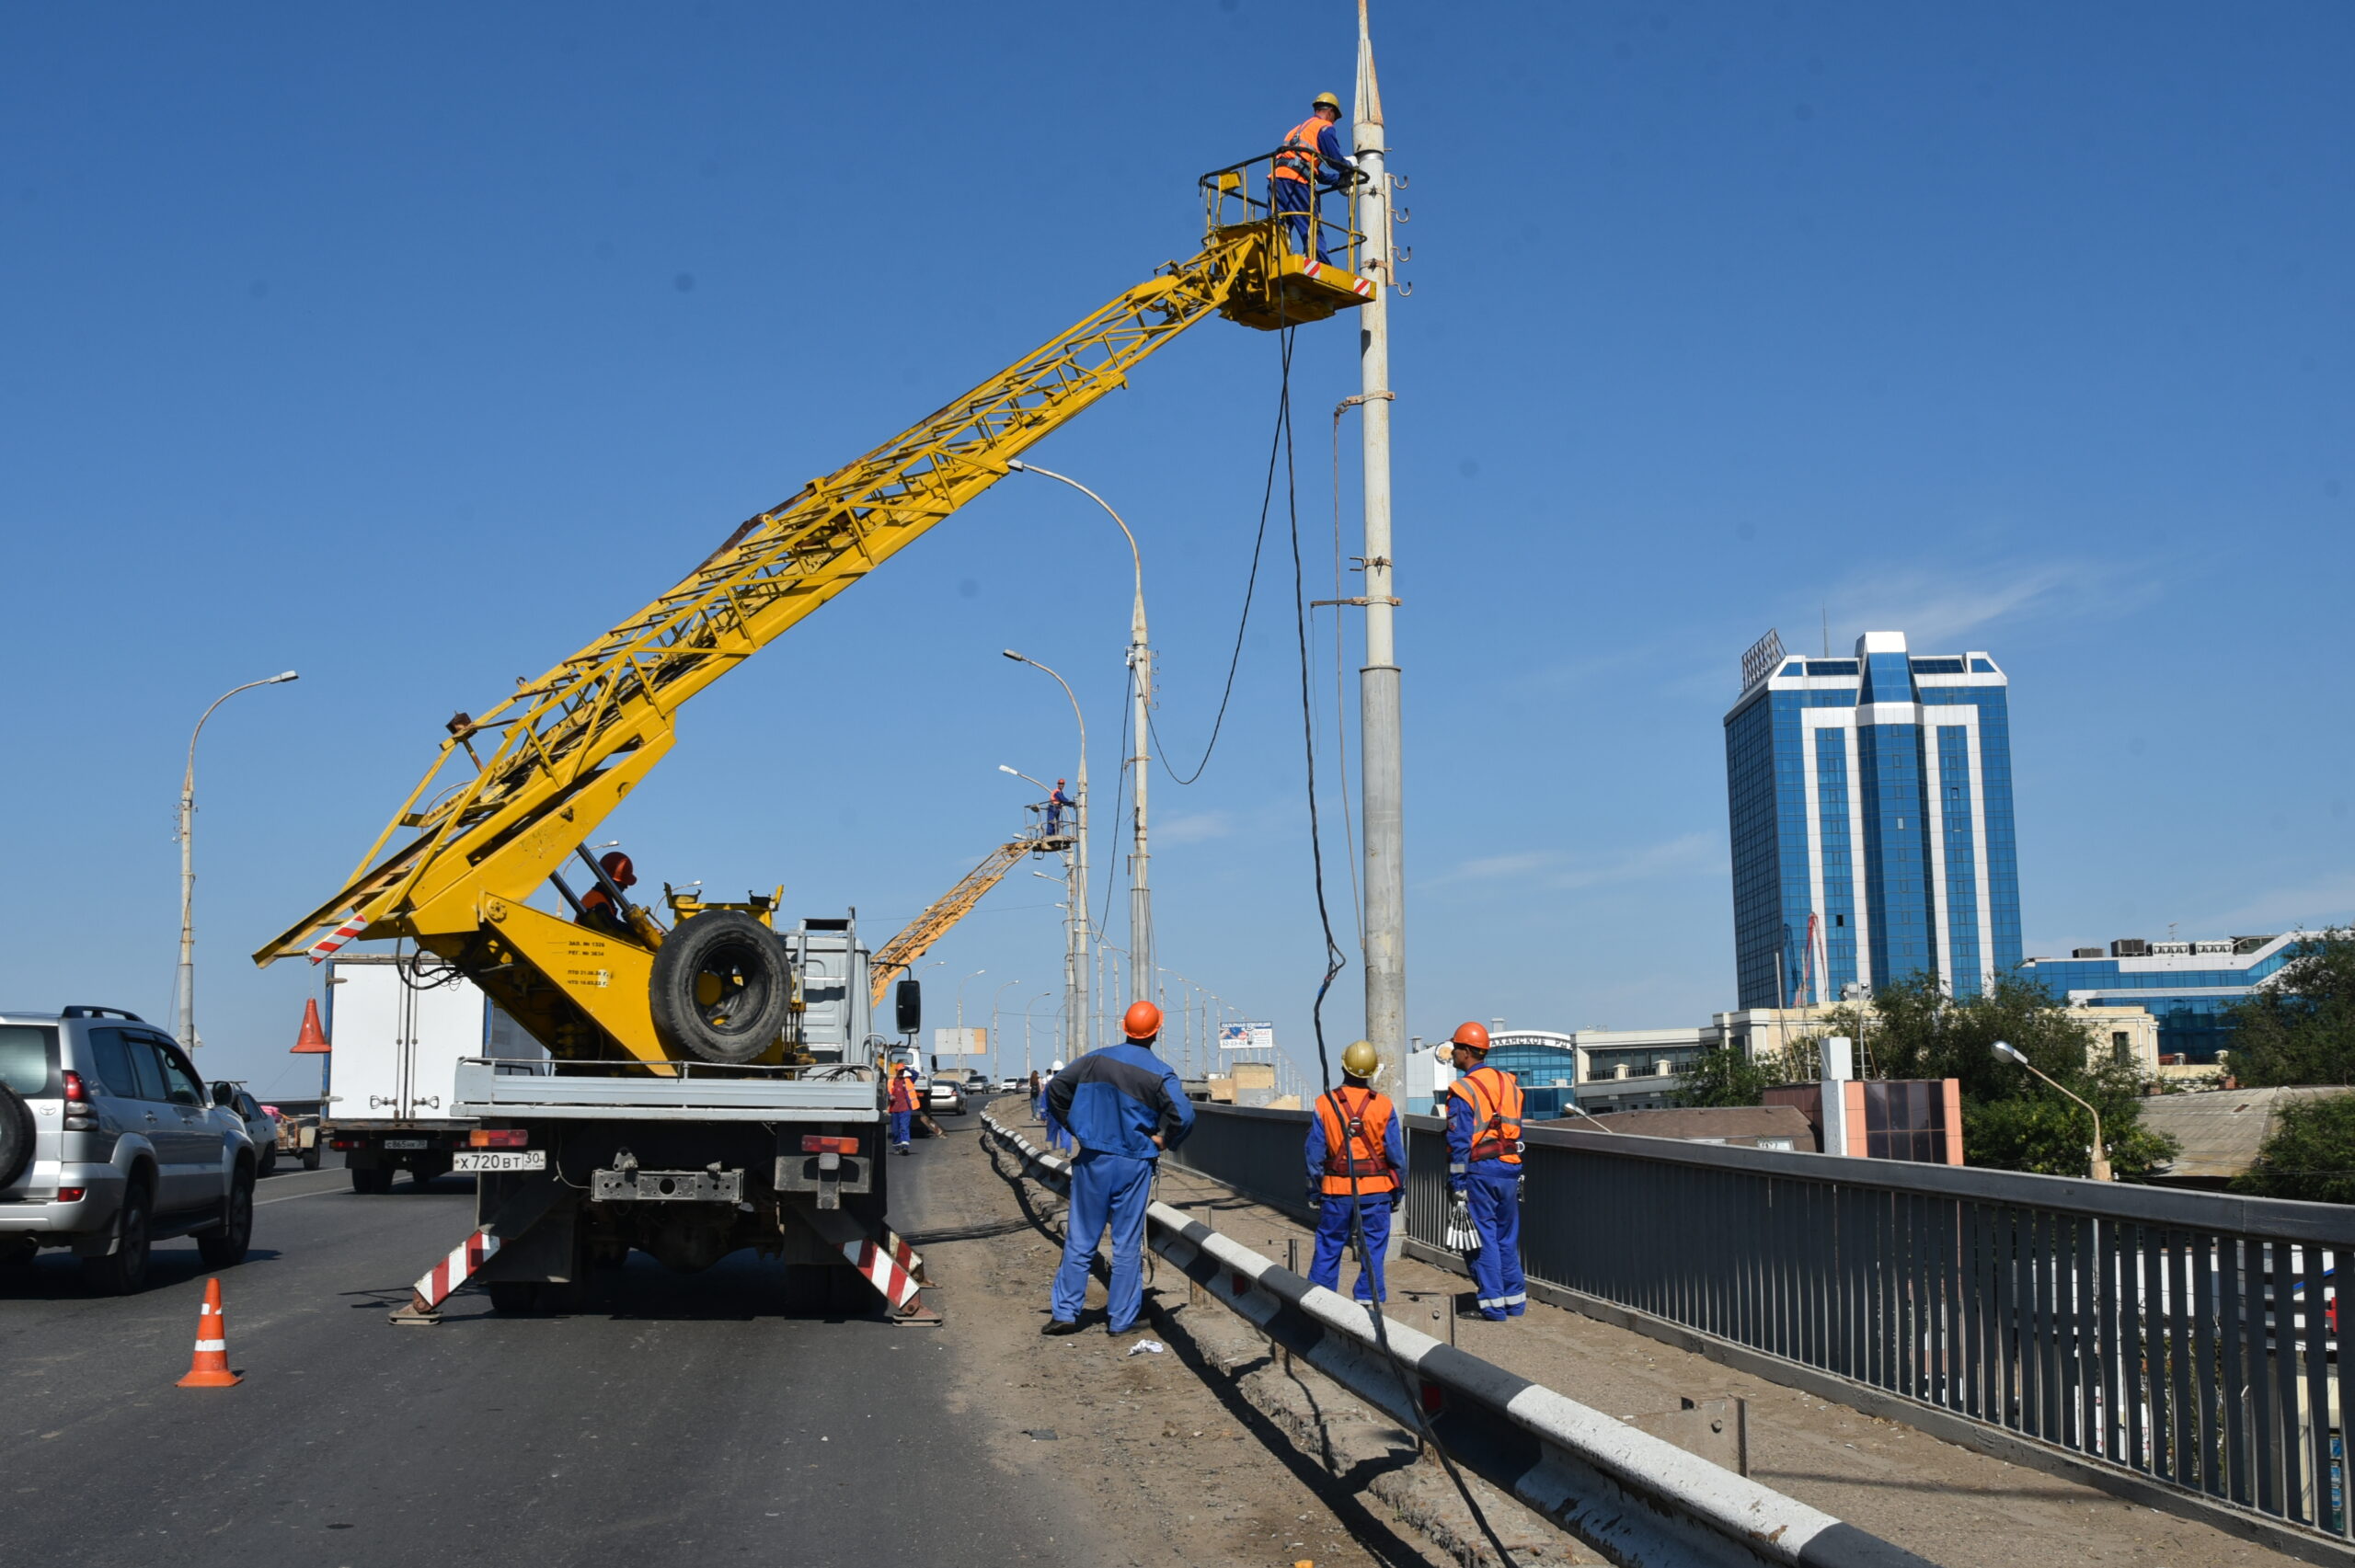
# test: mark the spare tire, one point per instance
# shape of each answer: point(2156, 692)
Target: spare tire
point(16, 1135)
point(721, 990)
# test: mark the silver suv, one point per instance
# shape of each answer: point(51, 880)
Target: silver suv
point(109, 1143)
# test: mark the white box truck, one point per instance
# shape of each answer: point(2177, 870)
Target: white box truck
point(397, 1029)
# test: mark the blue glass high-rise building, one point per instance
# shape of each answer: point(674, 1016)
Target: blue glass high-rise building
point(1871, 807)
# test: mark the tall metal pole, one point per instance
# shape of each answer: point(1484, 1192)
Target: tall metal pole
point(1141, 662)
point(1379, 743)
point(1078, 1037)
point(185, 1029)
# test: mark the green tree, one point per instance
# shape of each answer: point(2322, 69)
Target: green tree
point(2012, 1119)
point(1726, 1076)
point(2300, 1028)
point(2310, 1153)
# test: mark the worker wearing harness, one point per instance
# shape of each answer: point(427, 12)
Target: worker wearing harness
point(1484, 1169)
point(1355, 1131)
point(1124, 1106)
point(1310, 149)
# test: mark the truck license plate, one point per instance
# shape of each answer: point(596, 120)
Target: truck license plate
point(408, 1143)
point(501, 1160)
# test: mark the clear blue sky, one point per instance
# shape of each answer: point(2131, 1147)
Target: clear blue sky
point(411, 347)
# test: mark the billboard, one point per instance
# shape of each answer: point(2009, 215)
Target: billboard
point(960, 1041)
point(1246, 1036)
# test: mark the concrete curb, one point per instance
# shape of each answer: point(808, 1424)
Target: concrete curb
point(1639, 1499)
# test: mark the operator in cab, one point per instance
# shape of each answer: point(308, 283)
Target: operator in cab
point(1357, 1157)
point(1310, 159)
point(1484, 1170)
point(598, 910)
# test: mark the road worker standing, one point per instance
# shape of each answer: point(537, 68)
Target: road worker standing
point(1123, 1106)
point(1484, 1170)
point(1057, 1140)
point(1311, 157)
point(902, 1105)
point(1357, 1158)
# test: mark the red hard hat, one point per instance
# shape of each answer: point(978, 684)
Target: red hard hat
point(618, 867)
point(1142, 1021)
point(1474, 1035)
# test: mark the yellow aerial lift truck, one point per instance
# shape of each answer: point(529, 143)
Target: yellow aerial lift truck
point(713, 1085)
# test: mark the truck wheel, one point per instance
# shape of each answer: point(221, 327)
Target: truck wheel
point(16, 1135)
point(227, 1248)
point(425, 1170)
point(721, 988)
point(124, 1271)
point(514, 1298)
point(373, 1182)
point(311, 1159)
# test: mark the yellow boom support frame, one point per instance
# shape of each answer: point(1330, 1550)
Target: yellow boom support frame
point(563, 750)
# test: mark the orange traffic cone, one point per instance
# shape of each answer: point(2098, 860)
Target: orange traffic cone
point(209, 1369)
point(313, 1040)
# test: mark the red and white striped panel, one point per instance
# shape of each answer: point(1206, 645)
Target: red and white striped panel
point(883, 1270)
point(325, 947)
point(465, 1260)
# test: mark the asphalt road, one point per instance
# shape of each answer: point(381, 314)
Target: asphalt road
point(684, 1416)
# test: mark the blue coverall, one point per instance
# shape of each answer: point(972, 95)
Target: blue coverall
point(1333, 1215)
point(1491, 1189)
point(1114, 1101)
point(1298, 196)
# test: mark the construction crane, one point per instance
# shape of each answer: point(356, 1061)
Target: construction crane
point(894, 957)
point(453, 869)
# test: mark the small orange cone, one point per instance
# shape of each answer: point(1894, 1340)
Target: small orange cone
point(313, 1040)
point(209, 1369)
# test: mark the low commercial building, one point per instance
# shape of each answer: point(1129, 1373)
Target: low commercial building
point(2219, 1131)
point(2187, 987)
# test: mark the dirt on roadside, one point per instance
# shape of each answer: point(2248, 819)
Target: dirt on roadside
point(1156, 1454)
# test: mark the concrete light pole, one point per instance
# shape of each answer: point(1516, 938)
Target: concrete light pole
point(1078, 1036)
point(1027, 1011)
point(187, 1009)
point(1140, 661)
point(1380, 800)
point(994, 996)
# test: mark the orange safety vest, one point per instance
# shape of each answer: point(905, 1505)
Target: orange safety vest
point(1300, 157)
point(1357, 1129)
point(1496, 1113)
point(903, 1093)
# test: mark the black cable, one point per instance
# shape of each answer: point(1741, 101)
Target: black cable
point(1250, 588)
point(1335, 962)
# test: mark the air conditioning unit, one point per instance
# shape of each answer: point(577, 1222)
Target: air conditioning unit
point(2171, 949)
point(2087, 952)
point(2130, 948)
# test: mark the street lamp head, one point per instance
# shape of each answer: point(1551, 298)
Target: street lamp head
point(1014, 656)
point(275, 680)
point(2005, 1052)
point(1004, 768)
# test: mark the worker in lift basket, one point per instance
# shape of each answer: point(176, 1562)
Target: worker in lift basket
point(1484, 1170)
point(1057, 804)
point(1310, 159)
point(1124, 1106)
point(598, 910)
point(1357, 1157)
point(901, 1103)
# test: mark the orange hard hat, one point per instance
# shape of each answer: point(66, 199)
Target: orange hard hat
point(1472, 1036)
point(618, 867)
point(1142, 1021)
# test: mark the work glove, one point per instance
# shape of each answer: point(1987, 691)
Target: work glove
point(1461, 1235)
point(1315, 1193)
point(1520, 1188)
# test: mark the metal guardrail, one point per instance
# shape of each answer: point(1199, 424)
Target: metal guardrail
point(1253, 1149)
point(1643, 1501)
point(2180, 1346)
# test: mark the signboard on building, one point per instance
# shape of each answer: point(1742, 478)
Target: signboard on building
point(1246, 1036)
point(960, 1041)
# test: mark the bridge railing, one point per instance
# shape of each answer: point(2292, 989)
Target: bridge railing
point(2184, 1341)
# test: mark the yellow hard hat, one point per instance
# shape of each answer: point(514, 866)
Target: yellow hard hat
point(1326, 100)
point(1361, 1059)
